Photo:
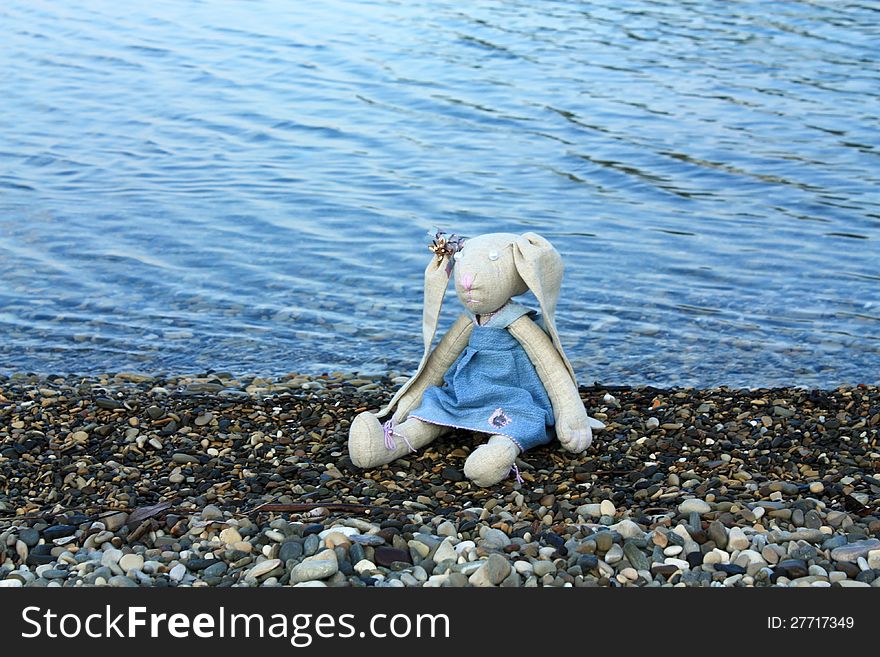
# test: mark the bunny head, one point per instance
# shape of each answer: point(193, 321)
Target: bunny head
point(485, 273)
point(488, 271)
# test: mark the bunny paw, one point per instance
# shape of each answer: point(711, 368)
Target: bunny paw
point(575, 436)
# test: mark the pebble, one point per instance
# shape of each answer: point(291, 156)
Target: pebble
point(694, 505)
point(445, 551)
point(320, 566)
point(58, 531)
point(452, 474)
point(110, 558)
point(792, 568)
point(541, 568)
point(589, 510)
point(177, 573)
point(364, 566)
point(29, 536)
point(852, 551)
point(386, 556)
point(348, 532)
point(120, 581)
point(628, 529)
point(523, 567)
point(604, 541)
point(216, 569)
point(115, 521)
point(737, 540)
point(263, 568)
point(204, 419)
point(495, 538)
point(277, 536)
point(230, 535)
point(290, 550)
point(418, 550)
point(131, 562)
point(614, 554)
point(635, 556)
point(718, 534)
point(659, 538)
point(446, 528)
point(491, 573)
point(212, 512)
point(311, 545)
point(712, 557)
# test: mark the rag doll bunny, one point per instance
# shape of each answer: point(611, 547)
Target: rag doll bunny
point(496, 371)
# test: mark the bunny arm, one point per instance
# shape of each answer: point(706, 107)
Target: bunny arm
point(440, 360)
point(572, 423)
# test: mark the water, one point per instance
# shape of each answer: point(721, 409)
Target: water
point(245, 186)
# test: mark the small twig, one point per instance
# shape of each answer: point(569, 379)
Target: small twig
point(103, 511)
point(92, 512)
point(308, 506)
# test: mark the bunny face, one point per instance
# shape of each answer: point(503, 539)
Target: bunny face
point(486, 275)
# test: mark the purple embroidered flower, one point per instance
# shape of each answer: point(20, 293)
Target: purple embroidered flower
point(499, 419)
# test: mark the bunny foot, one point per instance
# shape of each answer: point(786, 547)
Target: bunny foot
point(492, 462)
point(371, 444)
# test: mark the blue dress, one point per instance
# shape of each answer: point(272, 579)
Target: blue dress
point(492, 387)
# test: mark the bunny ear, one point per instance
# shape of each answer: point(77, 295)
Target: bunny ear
point(540, 267)
point(437, 275)
point(436, 281)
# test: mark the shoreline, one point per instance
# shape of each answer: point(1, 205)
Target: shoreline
point(127, 479)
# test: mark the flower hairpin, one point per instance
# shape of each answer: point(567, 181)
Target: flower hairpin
point(443, 246)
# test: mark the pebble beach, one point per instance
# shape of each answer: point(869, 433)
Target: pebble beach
point(129, 480)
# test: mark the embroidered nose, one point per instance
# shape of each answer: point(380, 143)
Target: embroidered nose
point(467, 281)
